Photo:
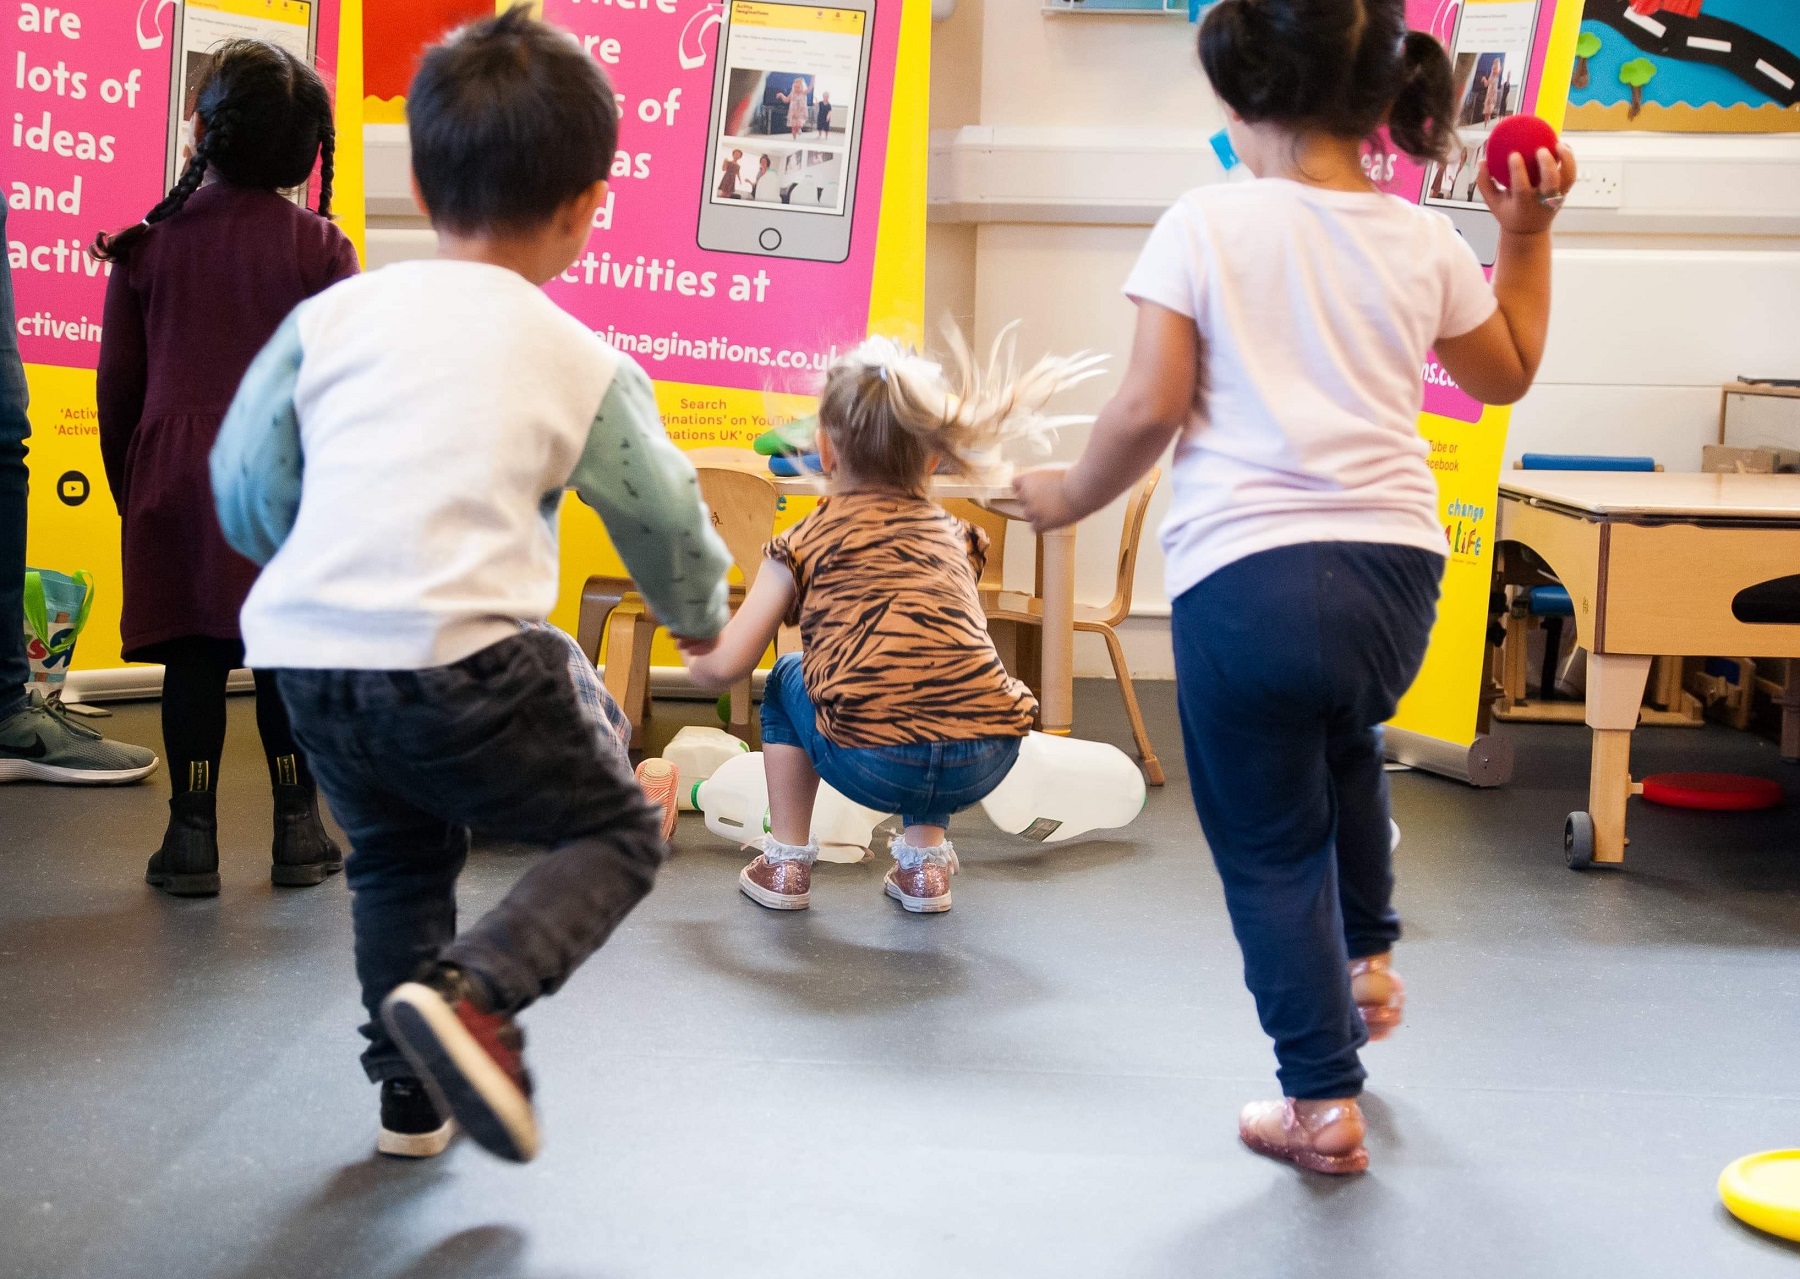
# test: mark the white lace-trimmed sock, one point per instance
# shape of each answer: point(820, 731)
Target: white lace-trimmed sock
point(911, 858)
point(773, 850)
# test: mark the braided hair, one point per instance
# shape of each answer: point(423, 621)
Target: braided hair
point(266, 120)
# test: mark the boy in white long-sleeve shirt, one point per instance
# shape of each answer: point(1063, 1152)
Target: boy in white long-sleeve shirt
point(396, 457)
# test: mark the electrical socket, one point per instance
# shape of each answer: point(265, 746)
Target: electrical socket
point(1601, 185)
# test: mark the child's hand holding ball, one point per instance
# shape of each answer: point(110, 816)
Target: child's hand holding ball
point(1526, 174)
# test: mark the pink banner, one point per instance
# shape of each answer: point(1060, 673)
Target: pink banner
point(756, 320)
point(85, 96)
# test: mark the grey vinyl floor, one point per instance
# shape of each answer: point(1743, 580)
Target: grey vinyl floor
point(1041, 1083)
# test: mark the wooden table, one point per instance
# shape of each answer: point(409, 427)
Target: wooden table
point(1652, 563)
point(1056, 586)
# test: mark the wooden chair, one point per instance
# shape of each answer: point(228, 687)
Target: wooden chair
point(1027, 610)
point(743, 513)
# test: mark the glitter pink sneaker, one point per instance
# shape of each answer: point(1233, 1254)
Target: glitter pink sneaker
point(1379, 993)
point(1280, 1130)
point(920, 879)
point(781, 876)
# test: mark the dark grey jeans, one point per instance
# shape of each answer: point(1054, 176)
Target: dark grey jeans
point(15, 429)
point(411, 760)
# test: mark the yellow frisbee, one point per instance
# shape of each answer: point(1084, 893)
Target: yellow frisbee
point(1764, 1191)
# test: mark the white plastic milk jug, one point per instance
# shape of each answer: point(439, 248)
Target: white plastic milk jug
point(1063, 786)
point(735, 801)
point(697, 753)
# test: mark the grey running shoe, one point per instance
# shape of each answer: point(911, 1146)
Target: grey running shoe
point(41, 743)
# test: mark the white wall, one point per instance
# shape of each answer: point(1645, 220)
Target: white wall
point(1090, 125)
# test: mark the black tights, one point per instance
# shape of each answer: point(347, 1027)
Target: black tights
point(195, 669)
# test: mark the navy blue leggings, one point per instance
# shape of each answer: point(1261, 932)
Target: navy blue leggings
point(1287, 662)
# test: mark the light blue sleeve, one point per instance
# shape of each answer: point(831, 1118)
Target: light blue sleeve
point(256, 462)
point(649, 499)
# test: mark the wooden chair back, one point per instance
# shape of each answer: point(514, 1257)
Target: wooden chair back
point(993, 577)
point(743, 513)
point(1130, 535)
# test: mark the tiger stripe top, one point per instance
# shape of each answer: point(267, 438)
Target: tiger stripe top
point(896, 648)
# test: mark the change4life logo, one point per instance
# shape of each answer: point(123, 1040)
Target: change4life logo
point(1463, 529)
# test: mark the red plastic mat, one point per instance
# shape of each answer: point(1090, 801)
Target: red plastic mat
point(1716, 792)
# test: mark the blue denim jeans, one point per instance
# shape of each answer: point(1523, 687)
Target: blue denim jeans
point(1286, 664)
point(411, 760)
point(925, 782)
point(15, 429)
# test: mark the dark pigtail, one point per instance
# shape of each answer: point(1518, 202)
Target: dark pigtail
point(1423, 118)
point(118, 246)
point(327, 155)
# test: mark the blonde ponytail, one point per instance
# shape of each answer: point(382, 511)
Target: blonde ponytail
point(890, 409)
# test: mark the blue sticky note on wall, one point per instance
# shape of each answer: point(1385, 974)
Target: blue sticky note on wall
point(1221, 145)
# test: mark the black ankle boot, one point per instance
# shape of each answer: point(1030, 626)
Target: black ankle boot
point(187, 864)
point(304, 853)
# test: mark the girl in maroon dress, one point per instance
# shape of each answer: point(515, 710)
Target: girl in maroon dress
point(197, 288)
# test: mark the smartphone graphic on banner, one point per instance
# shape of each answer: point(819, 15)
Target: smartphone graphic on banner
point(1491, 65)
point(786, 129)
point(200, 27)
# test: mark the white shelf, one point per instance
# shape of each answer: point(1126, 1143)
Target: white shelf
point(1670, 184)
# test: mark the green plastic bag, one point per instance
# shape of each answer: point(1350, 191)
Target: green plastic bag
point(56, 612)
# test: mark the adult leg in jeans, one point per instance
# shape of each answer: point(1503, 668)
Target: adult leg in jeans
point(38, 742)
point(15, 429)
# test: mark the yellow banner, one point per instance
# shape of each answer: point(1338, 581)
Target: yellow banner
point(793, 17)
point(1445, 700)
point(291, 12)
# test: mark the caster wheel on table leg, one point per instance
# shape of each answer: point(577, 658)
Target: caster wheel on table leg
point(1578, 841)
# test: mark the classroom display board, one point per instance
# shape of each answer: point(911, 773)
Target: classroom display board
point(766, 211)
point(1508, 56)
point(1688, 66)
point(95, 96)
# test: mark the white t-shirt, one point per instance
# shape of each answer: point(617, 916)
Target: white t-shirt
point(1316, 309)
point(433, 412)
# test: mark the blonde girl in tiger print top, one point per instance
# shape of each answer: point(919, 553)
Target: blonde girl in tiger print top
point(898, 699)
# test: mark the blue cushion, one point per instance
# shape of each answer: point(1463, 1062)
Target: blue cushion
point(1584, 462)
point(1549, 601)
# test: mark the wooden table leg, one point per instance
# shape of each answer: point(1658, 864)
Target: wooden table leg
point(1058, 697)
point(1615, 691)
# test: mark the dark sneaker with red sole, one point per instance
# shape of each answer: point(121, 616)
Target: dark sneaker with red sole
point(470, 1060)
point(411, 1125)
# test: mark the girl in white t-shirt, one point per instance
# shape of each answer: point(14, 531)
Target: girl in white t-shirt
point(1282, 328)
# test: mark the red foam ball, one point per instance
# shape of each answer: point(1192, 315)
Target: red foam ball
point(1519, 135)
